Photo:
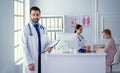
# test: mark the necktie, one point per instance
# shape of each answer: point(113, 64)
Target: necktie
point(39, 47)
point(39, 38)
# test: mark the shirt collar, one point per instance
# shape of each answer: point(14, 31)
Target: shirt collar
point(34, 23)
point(78, 34)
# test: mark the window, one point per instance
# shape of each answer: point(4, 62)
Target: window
point(21, 17)
point(18, 25)
point(54, 24)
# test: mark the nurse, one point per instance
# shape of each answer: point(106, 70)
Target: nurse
point(34, 41)
point(80, 39)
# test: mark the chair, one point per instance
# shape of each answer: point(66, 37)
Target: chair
point(116, 60)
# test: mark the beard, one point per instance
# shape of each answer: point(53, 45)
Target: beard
point(35, 20)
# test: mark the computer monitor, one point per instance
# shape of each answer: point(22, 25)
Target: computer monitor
point(66, 41)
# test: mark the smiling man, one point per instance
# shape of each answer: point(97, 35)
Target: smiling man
point(35, 41)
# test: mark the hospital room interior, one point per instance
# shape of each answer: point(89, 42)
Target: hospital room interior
point(60, 18)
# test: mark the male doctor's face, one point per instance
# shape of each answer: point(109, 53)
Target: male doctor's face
point(35, 16)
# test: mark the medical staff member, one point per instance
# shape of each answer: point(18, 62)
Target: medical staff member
point(110, 47)
point(35, 41)
point(80, 39)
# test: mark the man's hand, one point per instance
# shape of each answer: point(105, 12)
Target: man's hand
point(31, 67)
point(49, 49)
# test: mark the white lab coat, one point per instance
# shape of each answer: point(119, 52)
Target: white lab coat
point(30, 47)
point(79, 40)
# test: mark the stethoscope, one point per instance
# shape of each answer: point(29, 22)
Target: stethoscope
point(81, 37)
point(31, 34)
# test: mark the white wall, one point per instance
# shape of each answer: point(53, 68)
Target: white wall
point(7, 36)
point(108, 6)
point(109, 17)
point(65, 7)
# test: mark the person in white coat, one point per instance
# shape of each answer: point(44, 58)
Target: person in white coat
point(80, 39)
point(31, 42)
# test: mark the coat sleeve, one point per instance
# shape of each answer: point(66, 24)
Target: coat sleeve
point(26, 50)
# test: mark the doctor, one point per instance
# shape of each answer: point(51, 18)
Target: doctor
point(35, 41)
point(80, 39)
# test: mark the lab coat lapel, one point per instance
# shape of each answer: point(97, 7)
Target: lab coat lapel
point(35, 40)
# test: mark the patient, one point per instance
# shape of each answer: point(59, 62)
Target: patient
point(110, 47)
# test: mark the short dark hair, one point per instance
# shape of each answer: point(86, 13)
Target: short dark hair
point(34, 8)
point(77, 27)
point(107, 31)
